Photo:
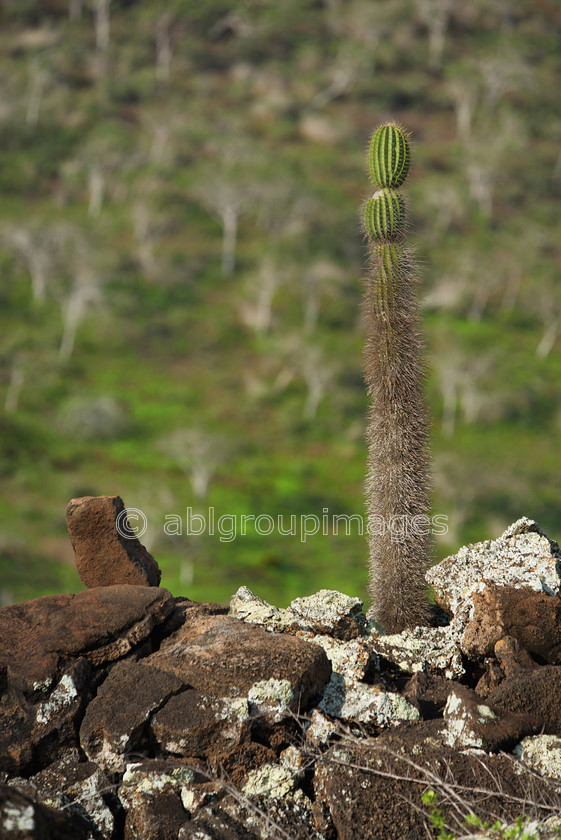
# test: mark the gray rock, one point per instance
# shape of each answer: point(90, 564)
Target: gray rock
point(541, 753)
point(330, 613)
point(523, 556)
point(365, 704)
point(434, 650)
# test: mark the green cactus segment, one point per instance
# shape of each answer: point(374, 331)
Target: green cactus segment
point(387, 274)
point(384, 215)
point(389, 156)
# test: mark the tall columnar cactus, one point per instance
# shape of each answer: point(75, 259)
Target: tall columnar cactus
point(397, 483)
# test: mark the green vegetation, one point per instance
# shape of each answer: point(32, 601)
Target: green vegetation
point(520, 830)
point(180, 263)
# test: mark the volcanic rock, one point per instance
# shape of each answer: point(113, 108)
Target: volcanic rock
point(114, 728)
point(535, 692)
point(101, 625)
point(107, 551)
point(247, 655)
point(532, 618)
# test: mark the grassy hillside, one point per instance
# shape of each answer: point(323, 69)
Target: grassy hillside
point(180, 274)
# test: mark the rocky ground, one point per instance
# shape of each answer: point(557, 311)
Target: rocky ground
point(128, 713)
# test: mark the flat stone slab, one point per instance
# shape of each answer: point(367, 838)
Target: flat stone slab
point(101, 625)
point(226, 657)
point(107, 551)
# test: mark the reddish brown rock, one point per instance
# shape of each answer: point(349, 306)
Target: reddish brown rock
point(150, 793)
point(512, 657)
point(372, 790)
point(428, 693)
point(471, 723)
point(195, 724)
point(101, 625)
point(107, 551)
point(115, 723)
point(81, 789)
point(226, 658)
point(535, 692)
point(22, 818)
point(532, 618)
point(491, 679)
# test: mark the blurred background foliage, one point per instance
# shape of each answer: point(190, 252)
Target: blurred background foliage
point(180, 272)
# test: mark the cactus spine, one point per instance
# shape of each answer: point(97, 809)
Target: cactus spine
point(397, 485)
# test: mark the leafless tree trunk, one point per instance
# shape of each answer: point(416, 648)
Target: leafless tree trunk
point(225, 200)
point(75, 9)
point(317, 375)
point(15, 385)
point(258, 313)
point(102, 24)
point(143, 235)
point(84, 292)
point(464, 95)
point(448, 375)
point(34, 249)
point(435, 14)
point(551, 333)
point(96, 183)
point(198, 454)
point(37, 82)
point(163, 48)
point(229, 215)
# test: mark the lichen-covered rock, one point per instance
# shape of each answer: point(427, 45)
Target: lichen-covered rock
point(428, 693)
point(435, 650)
point(150, 793)
point(320, 728)
point(523, 556)
point(115, 722)
point(271, 697)
point(354, 659)
point(22, 818)
point(330, 613)
point(372, 788)
point(263, 817)
point(37, 734)
point(38, 638)
point(246, 606)
point(270, 780)
point(541, 753)
point(81, 789)
point(226, 658)
point(196, 724)
point(365, 704)
point(471, 724)
point(327, 612)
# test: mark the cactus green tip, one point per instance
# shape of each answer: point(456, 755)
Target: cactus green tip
point(389, 156)
point(384, 215)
